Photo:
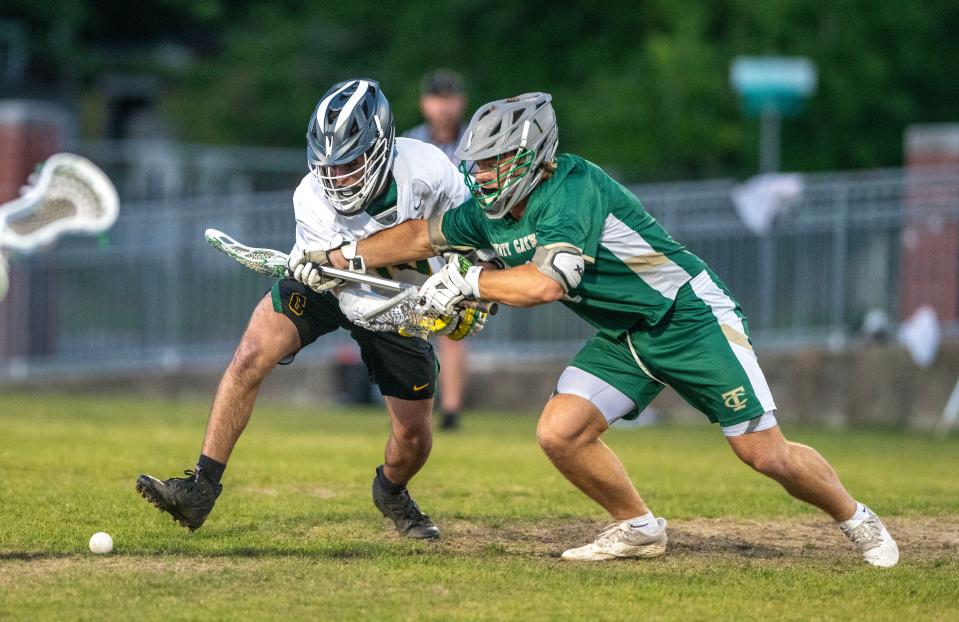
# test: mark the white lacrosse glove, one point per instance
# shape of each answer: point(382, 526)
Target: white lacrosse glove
point(303, 270)
point(450, 285)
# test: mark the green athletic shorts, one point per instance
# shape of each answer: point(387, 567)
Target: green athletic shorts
point(403, 367)
point(701, 349)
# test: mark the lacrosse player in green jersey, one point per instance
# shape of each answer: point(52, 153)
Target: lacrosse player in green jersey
point(569, 233)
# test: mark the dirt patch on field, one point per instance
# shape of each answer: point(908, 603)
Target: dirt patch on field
point(691, 542)
point(919, 539)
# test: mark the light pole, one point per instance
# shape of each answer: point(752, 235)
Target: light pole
point(769, 139)
point(772, 87)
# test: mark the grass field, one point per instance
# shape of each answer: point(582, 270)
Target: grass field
point(295, 534)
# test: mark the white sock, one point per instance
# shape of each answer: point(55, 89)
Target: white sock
point(858, 516)
point(646, 524)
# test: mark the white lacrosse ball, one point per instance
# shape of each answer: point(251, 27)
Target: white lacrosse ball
point(101, 543)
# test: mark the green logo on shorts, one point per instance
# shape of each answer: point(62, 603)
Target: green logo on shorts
point(735, 399)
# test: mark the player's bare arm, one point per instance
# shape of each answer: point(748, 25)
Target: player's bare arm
point(522, 286)
point(553, 272)
point(407, 241)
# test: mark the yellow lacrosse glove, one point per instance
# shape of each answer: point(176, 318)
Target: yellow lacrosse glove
point(470, 322)
point(442, 325)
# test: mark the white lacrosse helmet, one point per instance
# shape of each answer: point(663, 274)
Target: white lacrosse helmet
point(352, 124)
point(521, 133)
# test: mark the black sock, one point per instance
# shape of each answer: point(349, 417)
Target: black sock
point(450, 420)
point(210, 468)
point(386, 484)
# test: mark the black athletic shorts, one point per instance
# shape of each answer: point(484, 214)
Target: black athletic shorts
point(403, 367)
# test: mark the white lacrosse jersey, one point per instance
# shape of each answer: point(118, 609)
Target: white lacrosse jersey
point(424, 183)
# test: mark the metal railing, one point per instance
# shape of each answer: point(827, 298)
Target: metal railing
point(151, 292)
point(151, 169)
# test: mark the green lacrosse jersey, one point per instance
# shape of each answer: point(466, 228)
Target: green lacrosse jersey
point(633, 267)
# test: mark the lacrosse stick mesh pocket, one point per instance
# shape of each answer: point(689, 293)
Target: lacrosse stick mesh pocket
point(407, 318)
point(263, 261)
point(69, 196)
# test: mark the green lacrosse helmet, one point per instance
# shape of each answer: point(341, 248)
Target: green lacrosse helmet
point(521, 133)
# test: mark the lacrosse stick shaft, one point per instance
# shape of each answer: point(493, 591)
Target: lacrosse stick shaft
point(491, 308)
point(272, 263)
point(368, 279)
point(4, 276)
point(363, 278)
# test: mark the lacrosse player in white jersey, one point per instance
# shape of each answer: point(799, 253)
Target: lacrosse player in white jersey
point(362, 180)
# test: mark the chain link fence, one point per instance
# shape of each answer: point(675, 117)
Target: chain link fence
point(150, 293)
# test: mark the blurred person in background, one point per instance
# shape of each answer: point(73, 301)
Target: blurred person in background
point(443, 105)
point(570, 233)
point(361, 180)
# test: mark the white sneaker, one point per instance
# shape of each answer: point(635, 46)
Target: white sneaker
point(620, 541)
point(874, 542)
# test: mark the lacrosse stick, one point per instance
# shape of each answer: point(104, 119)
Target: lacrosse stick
point(70, 195)
point(401, 313)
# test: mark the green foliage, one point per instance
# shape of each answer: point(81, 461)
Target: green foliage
point(642, 88)
point(639, 87)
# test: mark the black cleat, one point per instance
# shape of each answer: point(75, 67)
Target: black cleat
point(450, 422)
point(188, 499)
point(403, 511)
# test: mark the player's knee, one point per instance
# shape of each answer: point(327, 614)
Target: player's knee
point(252, 361)
point(774, 464)
point(555, 439)
point(562, 429)
point(417, 440)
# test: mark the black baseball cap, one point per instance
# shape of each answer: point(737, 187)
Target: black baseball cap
point(442, 82)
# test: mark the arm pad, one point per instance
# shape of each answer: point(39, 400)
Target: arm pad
point(563, 263)
point(488, 256)
point(434, 228)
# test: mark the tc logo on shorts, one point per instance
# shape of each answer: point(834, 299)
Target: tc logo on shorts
point(297, 303)
point(735, 399)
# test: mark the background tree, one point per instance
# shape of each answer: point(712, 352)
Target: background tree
point(639, 87)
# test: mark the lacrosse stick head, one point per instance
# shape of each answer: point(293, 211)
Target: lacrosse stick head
point(265, 261)
point(70, 195)
point(402, 314)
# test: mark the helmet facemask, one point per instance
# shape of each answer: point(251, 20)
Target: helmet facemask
point(351, 190)
point(351, 144)
point(511, 169)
